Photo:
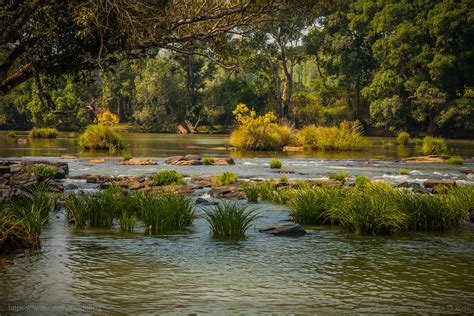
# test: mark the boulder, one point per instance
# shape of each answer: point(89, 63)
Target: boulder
point(425, 159)
point(285, 230)
point(4, 169)
point(431, 183)
point(203, 201)
point(192, 157)
point(23, 179)
point(223, 161)
point(468, 171)
point(415, 187)
point(228, 192)
point(172, 160)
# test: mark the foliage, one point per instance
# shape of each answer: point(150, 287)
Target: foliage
point(127, 156)
point(371, 211)
point(403, 138)
point(340, 176)
point(455, 160)
point(347, 136)
point(229, 219)
point(42, 171)
point(434, 146)
point(43, 133)
point(208, 161)
point(100, 137)
point(308, 206)
point(403, 171)
point(275, 164)
point(361, 182)
point(251, 191)
point(226, 178)
point(107, 118)
point(256, 132)
point(167, 177)
point(461, 200)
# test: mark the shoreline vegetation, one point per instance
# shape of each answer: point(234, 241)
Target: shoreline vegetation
point(168, 201)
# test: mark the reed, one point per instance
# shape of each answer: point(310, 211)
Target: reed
point(361, 182)
point(229, 219)
point(461, 199)
point(251, 192)
point(307, 207)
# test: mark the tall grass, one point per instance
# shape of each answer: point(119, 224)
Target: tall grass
point(42, 171)
point(101, 137)
point(308, 206)
point(461, 199)
point(251, 191)
point(167, 177)
point(226, 178)
point(371, 211)
point(229, 219)
point(340, 176)
point(275, 164)
point(455, 161)
point(43, 133)
point(262, 137)
point(346, 136)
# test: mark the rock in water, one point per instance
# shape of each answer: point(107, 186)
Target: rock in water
point(431, 183)
point(285, 230)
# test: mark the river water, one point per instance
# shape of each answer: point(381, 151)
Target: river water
point(327, 271)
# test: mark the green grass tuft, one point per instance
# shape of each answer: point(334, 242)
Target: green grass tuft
point(403, 171)
point(340, 176)
point(229, 219)
point(275, 164)
point(226, 178)
point(43, 133)
point(167, 177)
point(208, 161)
point(455, 160)
point(42, 171)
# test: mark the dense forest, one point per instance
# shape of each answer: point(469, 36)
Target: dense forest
point(392, 65)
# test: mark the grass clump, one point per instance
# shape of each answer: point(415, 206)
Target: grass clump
point(307, 207)
point(167, 177)
point(369, 212)
point(43, 133)
point(403, 171)
point(42, 171)
point(455, 160)
point(166, 212)
point(101, 137)
point(22, 219)
point(251, 192)
point(346, 136)
point(434, 146)
point(227, 178)
point(461, 199)
point(340, 176)
point(403, 138)
point(275, 164)
point(229, 219)
point(11, 134)
point(361, 182)
point(208, 161)
point(127, 157)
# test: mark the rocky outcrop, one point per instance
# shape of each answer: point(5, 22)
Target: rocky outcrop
point(285, 230)
point(432, 183)
point(196, 160)
point(139, 162)
point(468, 171)
point(426, 159)
point(233, 192)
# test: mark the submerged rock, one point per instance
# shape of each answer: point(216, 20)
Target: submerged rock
point(285, 230)
point(139, 162)
point(203, 201)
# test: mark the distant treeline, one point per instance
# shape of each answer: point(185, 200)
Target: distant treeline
point(393, 65)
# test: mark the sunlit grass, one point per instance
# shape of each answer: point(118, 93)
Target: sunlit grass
point(230, 219)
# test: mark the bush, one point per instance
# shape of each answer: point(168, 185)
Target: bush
point(167, 177)
point(348, 136)
point(259, 132)
point(455, 160)
point(275, 164)
point(403, 171)
point(42, 171)
point(208, 161)
point(403, 138)
point(229, 219)
point(226, 178)
point(43, 133)
point(127, 156)
point(99, 137)
point(107, 118)
point(371, 211)
point(11, 134)
point(340, 176)
point(434, 146)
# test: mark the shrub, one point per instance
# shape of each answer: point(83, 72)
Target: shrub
point(361, 182)
point(226, 178)
point(418, 142)
point(208, 161)
point(43, 133)
point(167, 177)
point(127, 156)
point(251, 191)
point(371, 211)
point(259, 132)
point(455, 160)
point(403, 171)
point(275, 164)
point(107, 118)
point(403, 138)
point(42, 171)
point(434, 146)
point(348, 136)
point(99, 137)
point(11, 134)
point(229, 219)
point(340, 176)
